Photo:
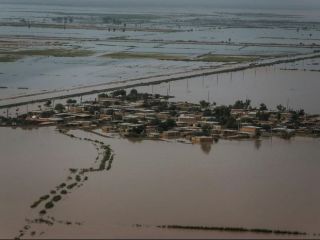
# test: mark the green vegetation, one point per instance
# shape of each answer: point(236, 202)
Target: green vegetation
point(70, 186)
point(62, 185)
point(35, 204)
point(43, 212)
point(64, 192)
point(73, 170)
point(171, 57)
point(239, 104)
point(226, 58)
point(8, 58)
point(233, 229)
point(49, 205)
point(78, 178)
point(45, 197)
point(106, 157)
point(59, 52)
point(167, 125)
point(59, 107)
point(71, 101)
point(110, 163)
point(41, 199)
point(56, 198)
point(146, 55)
point(204, 104)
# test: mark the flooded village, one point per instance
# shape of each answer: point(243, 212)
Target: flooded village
point(143, 115)
point(176, 119)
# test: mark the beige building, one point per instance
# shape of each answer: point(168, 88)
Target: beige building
point(202, 139)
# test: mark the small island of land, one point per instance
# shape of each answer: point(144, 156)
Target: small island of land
point(148, 116)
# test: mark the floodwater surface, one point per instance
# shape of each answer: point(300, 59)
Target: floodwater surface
point(295, 89)
point(254, 184)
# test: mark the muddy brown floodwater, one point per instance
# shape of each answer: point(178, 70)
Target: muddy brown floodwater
point(269, 184)
point(270, 85)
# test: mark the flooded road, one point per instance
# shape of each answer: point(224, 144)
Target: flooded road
point(256, 184)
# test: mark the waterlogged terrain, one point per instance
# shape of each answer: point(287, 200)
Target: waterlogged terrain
point(294, 85)
point(103, 44)
point(167, 183)
point(79, 184)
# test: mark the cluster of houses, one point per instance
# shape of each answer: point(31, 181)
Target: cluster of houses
point(154, 116)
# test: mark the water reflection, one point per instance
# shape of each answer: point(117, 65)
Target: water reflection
point(206, 147)
point(257, 143)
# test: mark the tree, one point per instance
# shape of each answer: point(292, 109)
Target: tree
point(133, 95)
point(166, 125)
point(103, 95)
point(71, 101)
point(222, 114)
point(294, 116)
point(239, 104)
point(121, 92)
point(136, 131)
point(59, 107)
point(48, 103)
point(204, 104)
point(281, 108)
point(134, 92)
point(301, 112)
point(263, 107)
point(231, 123)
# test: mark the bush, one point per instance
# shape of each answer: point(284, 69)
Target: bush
point(59, 107)
point(64, 192)
point(45, 197)
point(71, 185)
point(49, 205)
point(43, 212)
point(56, 198)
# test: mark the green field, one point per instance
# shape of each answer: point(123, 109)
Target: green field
point(172, 57)
point(9, 56)
point(226, 58)
point(145, 55)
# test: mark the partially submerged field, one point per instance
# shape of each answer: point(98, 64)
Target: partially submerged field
point(171, 57)
point(11, 56)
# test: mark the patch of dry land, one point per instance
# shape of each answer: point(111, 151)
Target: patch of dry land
point(146, 55)
point(226, 58)
point(11, 56)
point(171, 57)
point(8, 58)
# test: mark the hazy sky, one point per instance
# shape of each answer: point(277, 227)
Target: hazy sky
point(270, 4)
